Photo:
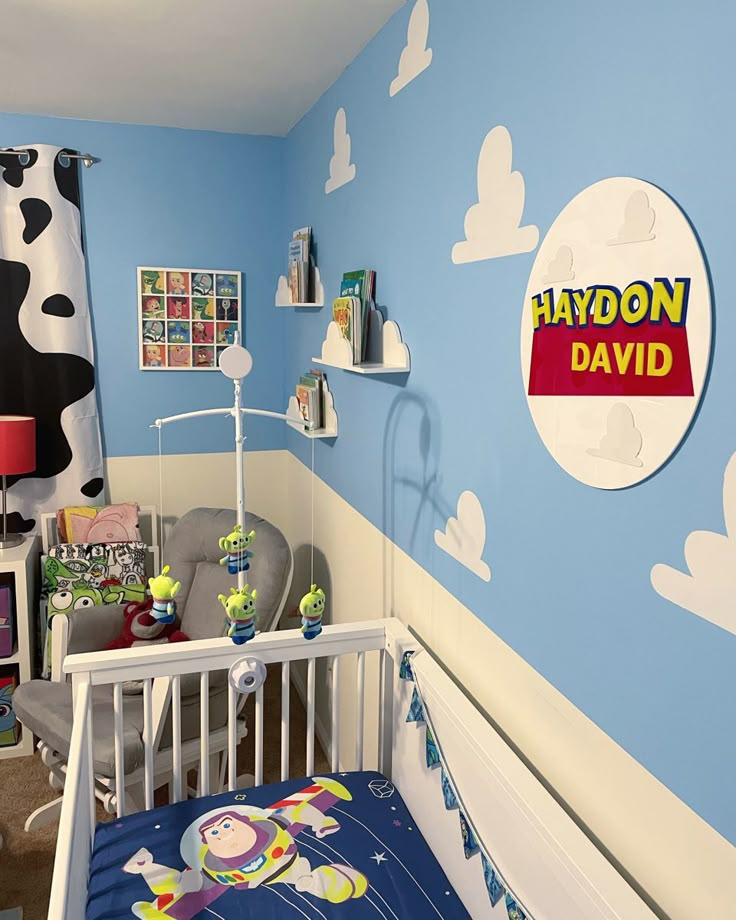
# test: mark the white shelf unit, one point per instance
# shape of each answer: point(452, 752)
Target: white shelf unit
point(21, 563)
point(283, 294)
point(328, 430)
point(386, 352)
point(366, 368)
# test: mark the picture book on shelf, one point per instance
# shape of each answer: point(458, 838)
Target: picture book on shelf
point(300, 265)
point(309, 396)
point(360, 284)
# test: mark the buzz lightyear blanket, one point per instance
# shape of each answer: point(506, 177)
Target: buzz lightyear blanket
point(341, 845)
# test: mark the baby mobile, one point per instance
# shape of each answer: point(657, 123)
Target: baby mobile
point(240, 606)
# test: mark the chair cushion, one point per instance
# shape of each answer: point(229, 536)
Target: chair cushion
point(45, 708)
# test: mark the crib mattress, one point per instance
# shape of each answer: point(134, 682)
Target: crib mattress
point(342, 845)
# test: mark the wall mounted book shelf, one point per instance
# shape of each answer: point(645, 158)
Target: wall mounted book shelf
point(386, 352)
point(329, 416)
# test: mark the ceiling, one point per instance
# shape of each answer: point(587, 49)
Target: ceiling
point(245, 66)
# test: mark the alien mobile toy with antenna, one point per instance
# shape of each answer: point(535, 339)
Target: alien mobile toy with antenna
point(240, 610)
point(164, 589)
point(311, 607)
point(236, 545)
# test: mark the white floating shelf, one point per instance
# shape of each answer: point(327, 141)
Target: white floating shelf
point(386, 352)
point(328, 430)
point(312, 435)
point(367, 368)
point(283, 294)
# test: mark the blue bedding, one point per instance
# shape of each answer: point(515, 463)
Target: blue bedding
point(343, 845)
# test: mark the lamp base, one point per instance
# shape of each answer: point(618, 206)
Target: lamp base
point(13, 539)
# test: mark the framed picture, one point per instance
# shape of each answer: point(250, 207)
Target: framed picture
point(186, 317)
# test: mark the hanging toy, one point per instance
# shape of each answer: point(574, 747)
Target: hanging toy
point(240, 609)
point(236, 546)
point(311, 607)
point(164, 589)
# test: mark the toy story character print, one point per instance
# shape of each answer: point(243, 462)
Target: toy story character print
point(226, 333)
point(203, 333)
point(153, 282)
point(193, 308)
point(153, 355)
point(178, 332)
point(180, 356)
point(242, 847)
point(204, 356)
point(153, 332)
point(177, 307)
point(177, 282)
point(227, 285)
point(153, 308)
point(202, 283)
point(203, 308)
point(227, 309)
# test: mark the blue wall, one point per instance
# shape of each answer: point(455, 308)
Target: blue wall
point(162, 196)
point(633, 89)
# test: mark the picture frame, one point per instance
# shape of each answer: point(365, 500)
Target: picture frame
point(186, 317)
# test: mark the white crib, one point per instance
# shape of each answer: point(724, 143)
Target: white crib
point(556, 871)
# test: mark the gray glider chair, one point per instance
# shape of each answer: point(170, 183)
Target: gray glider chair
point(192, 551)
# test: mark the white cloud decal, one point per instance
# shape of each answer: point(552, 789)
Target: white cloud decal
point(416, 56)
point(709, 588)
point(342, 170)
point(492, 226)
point(464, 537)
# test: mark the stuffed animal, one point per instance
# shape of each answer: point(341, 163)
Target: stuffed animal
point(163, 590)
point(240, 609)
point(311, 607)
point(236, 546)
point(140, 626)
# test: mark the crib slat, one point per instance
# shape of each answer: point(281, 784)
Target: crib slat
point(335, 731)
point(285, 688)
point(259, 736)
point(176, 737)
point(361, 712)
point(310, 716)
point(204, 733)
point(91, 767)
point(117, 707)
point(148, 740)
point(232, 714)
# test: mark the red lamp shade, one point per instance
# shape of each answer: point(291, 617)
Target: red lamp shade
point(17, 444)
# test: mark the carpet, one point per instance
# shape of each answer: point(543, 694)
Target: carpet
point(26, 860)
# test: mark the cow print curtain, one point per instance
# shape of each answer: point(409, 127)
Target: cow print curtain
point(46, 353)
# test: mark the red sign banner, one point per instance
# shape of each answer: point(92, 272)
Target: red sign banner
point(605, 342)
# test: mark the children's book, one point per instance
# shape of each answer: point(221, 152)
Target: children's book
point(360, 284)
point(346, 313)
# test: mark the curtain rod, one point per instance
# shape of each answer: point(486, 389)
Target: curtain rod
point(22, 152)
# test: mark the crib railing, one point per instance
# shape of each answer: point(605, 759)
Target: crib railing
point(171, 662)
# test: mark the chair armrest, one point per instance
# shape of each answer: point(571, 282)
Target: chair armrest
point(83, 631)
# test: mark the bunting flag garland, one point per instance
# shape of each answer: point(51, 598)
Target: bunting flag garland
point(513, 909)
point(433, 755)
point(416, 710)
point(405, 671)
point(495, 889)
point(448, 792)
point(471, 846)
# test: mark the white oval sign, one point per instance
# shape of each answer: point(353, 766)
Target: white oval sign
point(615, 333)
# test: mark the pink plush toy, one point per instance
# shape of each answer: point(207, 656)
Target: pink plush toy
point(141, 627)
